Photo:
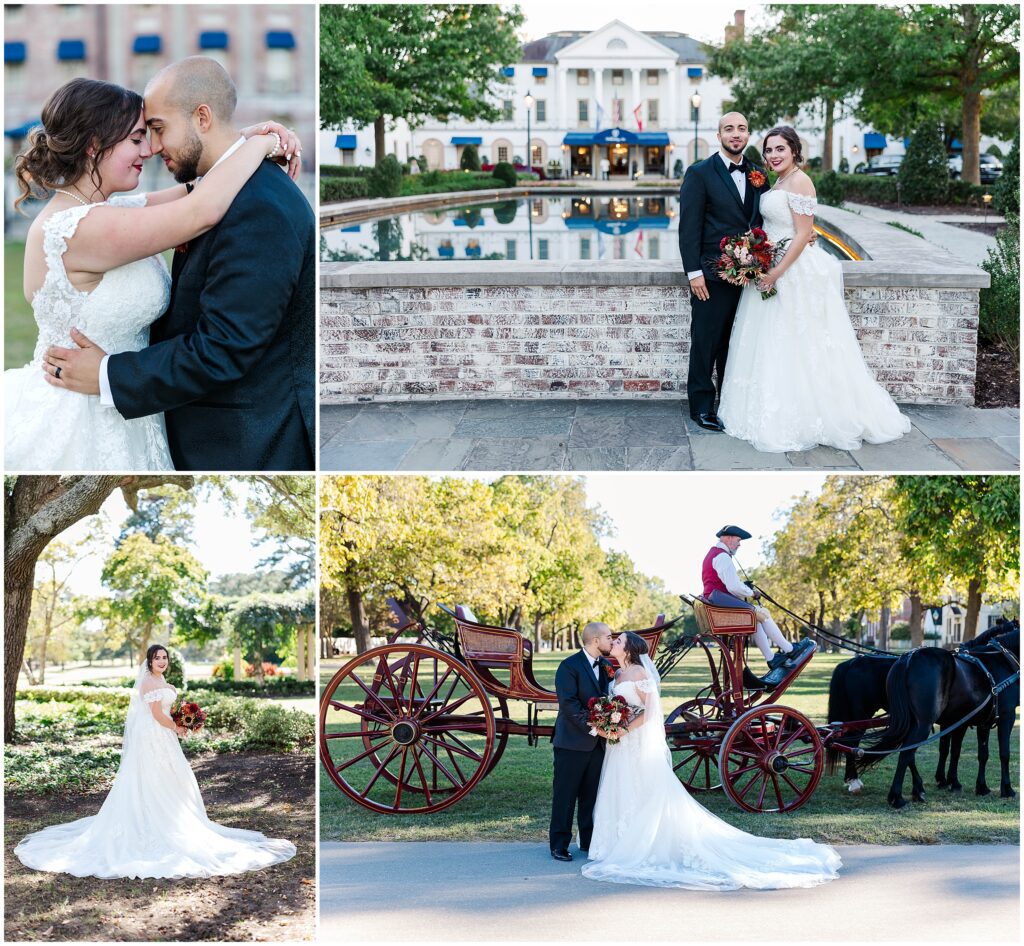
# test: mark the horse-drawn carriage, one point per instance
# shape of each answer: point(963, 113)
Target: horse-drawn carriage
point(414, 726)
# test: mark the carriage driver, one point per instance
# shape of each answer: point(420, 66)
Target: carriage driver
point(723, 588)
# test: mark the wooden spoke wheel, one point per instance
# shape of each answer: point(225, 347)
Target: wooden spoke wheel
point(406, 729)
point(695, 748)
point(500, 736)
point(771, 759)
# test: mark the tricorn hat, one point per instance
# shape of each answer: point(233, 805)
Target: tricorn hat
point(733, 530)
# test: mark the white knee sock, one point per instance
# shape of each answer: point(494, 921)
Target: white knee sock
point(776, 635)
point(761, 639)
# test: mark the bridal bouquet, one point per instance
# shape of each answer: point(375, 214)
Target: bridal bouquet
point(747, 257)
point(189, 716)
point(609, 712)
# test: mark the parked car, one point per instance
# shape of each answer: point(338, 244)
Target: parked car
point(989, 166)
point(881, 165)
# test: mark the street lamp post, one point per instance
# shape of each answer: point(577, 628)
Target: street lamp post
point(695, 102)
point(528, 101)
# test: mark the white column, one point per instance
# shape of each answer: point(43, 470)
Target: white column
point(563, 100)
point(311, 642)
point(598, 76)
point(239, 673)
point(300, 653)
point(671, 101)
point(636, 94)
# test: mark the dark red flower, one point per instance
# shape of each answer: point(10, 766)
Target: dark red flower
point(722, 245)
point(591, 702)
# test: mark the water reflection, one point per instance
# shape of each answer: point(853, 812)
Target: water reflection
point(584, 227)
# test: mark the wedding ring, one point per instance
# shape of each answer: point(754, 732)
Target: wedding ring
point(56, 374)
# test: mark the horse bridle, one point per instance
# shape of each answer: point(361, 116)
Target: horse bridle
point(971, 657)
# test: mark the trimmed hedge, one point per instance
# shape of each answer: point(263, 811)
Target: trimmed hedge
point(343, 170)
point(274, 686)
point(342, 188)
point(434, 183)
point(882, 190)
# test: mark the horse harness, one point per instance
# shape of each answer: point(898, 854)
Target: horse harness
point(970, 657)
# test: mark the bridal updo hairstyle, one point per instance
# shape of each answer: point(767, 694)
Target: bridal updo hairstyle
point(634, 645)
point(83, 114)
point(153, 650)
point(791, 138)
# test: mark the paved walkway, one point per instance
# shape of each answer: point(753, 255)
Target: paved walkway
point(447, 892)
point(517, 435)
point(966, 245)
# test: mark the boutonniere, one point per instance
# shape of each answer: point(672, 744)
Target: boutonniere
point(756, 178)
point(608, 668)
point(182, 248)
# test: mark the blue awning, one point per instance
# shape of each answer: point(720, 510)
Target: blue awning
point(280, 39)
point(652, 138)
point(540, 70)
point(874, 140)
point(466, 140)
point(146, 44)
point(345, 141)
point(509, 71)
point(213, 39)
point(21, 131)
point(612, 136)
point(448, 251)
point(71, 49)
point(15, 52)
point(353, 229)
point(695, 72)
point(617, 227)
point(472, 251)
point(578, 138)
point(954, 145)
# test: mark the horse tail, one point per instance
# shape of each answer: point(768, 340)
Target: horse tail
point(901, 716)
point(838, 709)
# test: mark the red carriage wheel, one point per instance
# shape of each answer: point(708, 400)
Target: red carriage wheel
point(694, 743)
point(406, 729)
point(501, 734)
point(771, 759)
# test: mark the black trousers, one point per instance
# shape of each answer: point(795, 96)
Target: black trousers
point(574, 788)
point(710, 327)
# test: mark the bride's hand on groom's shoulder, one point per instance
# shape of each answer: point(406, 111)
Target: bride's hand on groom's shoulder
point(291, 159)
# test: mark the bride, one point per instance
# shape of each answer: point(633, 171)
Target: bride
point(795, 376)
point(92, 263)
point(153, 822)
point(649, 830)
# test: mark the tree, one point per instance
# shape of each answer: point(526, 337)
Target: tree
point(924, 173)
point(1006, 192)
point(36, 510)
point(165, 511)
point(259, 622)
point(380, 62)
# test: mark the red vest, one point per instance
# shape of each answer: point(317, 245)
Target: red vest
point(711, 580)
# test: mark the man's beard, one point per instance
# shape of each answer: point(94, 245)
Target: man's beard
point(187, 160)
point(731, 151)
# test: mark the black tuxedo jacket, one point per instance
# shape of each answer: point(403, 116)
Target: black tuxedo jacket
point(231, 361)
point(710, 208)
point(575, 684)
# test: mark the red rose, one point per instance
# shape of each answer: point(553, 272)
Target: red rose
point(591, 702)
point(723, 244)
point(619, 699)
point(759, 233)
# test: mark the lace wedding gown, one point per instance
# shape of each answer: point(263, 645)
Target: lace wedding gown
point(52, 429)
point(795, 376)
point(649, 830)
point(153, 821)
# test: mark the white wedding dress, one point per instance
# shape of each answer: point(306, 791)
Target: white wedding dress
point(649, 830)
point(153, 821)
point(52, 429)
point(795, 376)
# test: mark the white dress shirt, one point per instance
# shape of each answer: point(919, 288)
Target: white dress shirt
point(106, 396)
point(726, 570)
point(740, 180)
point(590, 660)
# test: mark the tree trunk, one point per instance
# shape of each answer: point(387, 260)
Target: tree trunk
point(884, 621)
point(515, 619)
point(882, 642)
point(310, 653)
point(821, 613)
point(239, 673)
point(830, 121)
point(378, 140)
point(916, 620)
point(973, 609)
point(971, 136)
point(536, 634)
point(360, 627)
point(18, 576)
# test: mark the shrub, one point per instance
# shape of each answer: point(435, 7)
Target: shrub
point(900, 632)
point(273, 727)
point(962, 192)
point(385, 180)
point(225, 670)
point(344, 170)
point(924, 172)
point(1000, 303)
point(269, 669)
point(105, 696)
point(443, 182)
point(506, 211)
point(1006, 191)
point(881, 190)
point(752, 155)
point(844, 166)
point(280, 685)
point(830, 189)
point(504, 172)
point(342, 188)
point(175, 672)
point(470, 160)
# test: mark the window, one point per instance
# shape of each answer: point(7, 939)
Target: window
point(584, 247)
point(652, 111)
point(583, 77)
point(654, 247)
point(507, 107)
point(542, 249)
point(583, 111)
point(536, 156)
point(616, 111)
point(542, 110)
point(502, 153)
point(280, 71)
point(540, 79)
point(618, 76)
point(15, 76)
point(652, 76)
point(510, 249)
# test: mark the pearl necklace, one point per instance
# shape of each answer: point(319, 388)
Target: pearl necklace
point(781, 179)
point(87, 203)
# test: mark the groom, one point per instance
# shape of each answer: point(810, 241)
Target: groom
point(720, 197)
point(578, 755)
point(231, 362)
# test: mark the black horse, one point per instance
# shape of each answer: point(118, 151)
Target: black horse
point(935, 686)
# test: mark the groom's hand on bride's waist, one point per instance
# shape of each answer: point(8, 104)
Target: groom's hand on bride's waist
point(75, 369)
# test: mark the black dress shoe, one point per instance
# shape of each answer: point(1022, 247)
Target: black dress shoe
point(562, 855)
point(750, 682)
point(708, 422)
point(774, 677)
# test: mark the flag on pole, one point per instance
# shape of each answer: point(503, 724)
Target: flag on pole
point(639, 121)
point(638, 247)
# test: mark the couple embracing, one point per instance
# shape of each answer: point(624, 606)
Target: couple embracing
point(637, 822)
point(795, 376)
point(208, 367)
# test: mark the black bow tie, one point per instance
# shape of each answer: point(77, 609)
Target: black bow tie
point(596, 663)
point(740, 168)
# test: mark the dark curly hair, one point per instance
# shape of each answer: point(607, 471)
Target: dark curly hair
point(153, 650)
point(789, 135)
point(634, 645)
point(81, 114)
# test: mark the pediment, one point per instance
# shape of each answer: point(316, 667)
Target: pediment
point(614, 42)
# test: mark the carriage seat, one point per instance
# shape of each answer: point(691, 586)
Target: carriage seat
point(719, 621)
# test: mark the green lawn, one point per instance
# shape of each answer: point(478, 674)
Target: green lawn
point(19, 326)
point(513, 802)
